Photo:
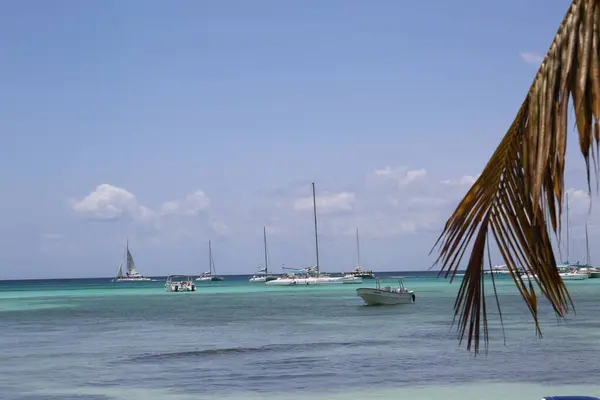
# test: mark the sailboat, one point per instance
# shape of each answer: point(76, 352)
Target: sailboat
point(567, 270)
point(310, 275)
point(208, 276)
point(262, 275)
point(131, 275)
point(592, 271)
point(358, 272)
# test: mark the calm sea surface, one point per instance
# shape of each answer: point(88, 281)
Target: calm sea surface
point(92, 339)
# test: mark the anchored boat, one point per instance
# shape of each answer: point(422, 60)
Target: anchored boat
point(387, 295)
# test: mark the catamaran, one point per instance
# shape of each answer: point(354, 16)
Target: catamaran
point(131, 275)
point(262, 275)
point(311, 275)
point(208, 276)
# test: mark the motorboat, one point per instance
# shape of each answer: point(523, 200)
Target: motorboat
point(180, 283)
point(262, 274)
point(131, 275)
point(387, 295)
point(574, 275)
point(208, 276)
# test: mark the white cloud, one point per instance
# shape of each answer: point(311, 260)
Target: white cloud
point(327, 203)
point(532, 58)
point(579, 201)
point(219, 227)
point(465, 180)
point(401, 175)
point(108, 202)
point(193, 204)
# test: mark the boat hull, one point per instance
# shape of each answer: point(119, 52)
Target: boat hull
point(209, 279)
point(594, 275)
point(132, 279)
point(574, 277)
point(306, 281)
point(262, 279)
point(378, 297)
point(349, 280)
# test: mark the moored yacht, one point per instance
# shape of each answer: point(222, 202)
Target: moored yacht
point(358, 272)
point(210, 274)
point(311, 275)
point(262, 275)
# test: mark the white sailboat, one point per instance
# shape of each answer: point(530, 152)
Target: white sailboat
point(262, 275)
point(568, 271)
point(210, 274)
point(131, 275)
point(593, 272)
point(311, 275)
point(357, 274)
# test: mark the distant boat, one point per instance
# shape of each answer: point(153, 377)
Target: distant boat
point(210, 275)
point(358, 272)
point(593, 272)
point(311, 275)
point(262, 275)
point(131, 275)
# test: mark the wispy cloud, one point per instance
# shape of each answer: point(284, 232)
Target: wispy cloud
point(532, 58)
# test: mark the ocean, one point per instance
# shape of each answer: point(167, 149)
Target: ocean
point(93, 339)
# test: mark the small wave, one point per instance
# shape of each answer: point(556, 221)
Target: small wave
point(250, 350)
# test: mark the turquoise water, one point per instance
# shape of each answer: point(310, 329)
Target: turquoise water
point(92, 339)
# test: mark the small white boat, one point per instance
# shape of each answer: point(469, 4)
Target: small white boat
point(387, 295)
point(574, 276)
point(180, 283)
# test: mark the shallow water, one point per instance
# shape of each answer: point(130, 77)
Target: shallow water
point(91, 339)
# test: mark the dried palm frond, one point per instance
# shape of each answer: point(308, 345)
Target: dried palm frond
point(522, 185)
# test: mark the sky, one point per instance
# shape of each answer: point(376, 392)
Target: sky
point(172, 123)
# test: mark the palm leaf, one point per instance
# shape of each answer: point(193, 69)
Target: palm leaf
point(518, 197)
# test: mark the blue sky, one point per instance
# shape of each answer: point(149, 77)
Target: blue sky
point(174, 122)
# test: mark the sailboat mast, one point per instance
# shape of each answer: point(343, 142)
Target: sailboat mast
point(265, 242)
point(567, 227)
point(357, 249)
point(210, 263)
point(587, 248)
point(316, 229)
